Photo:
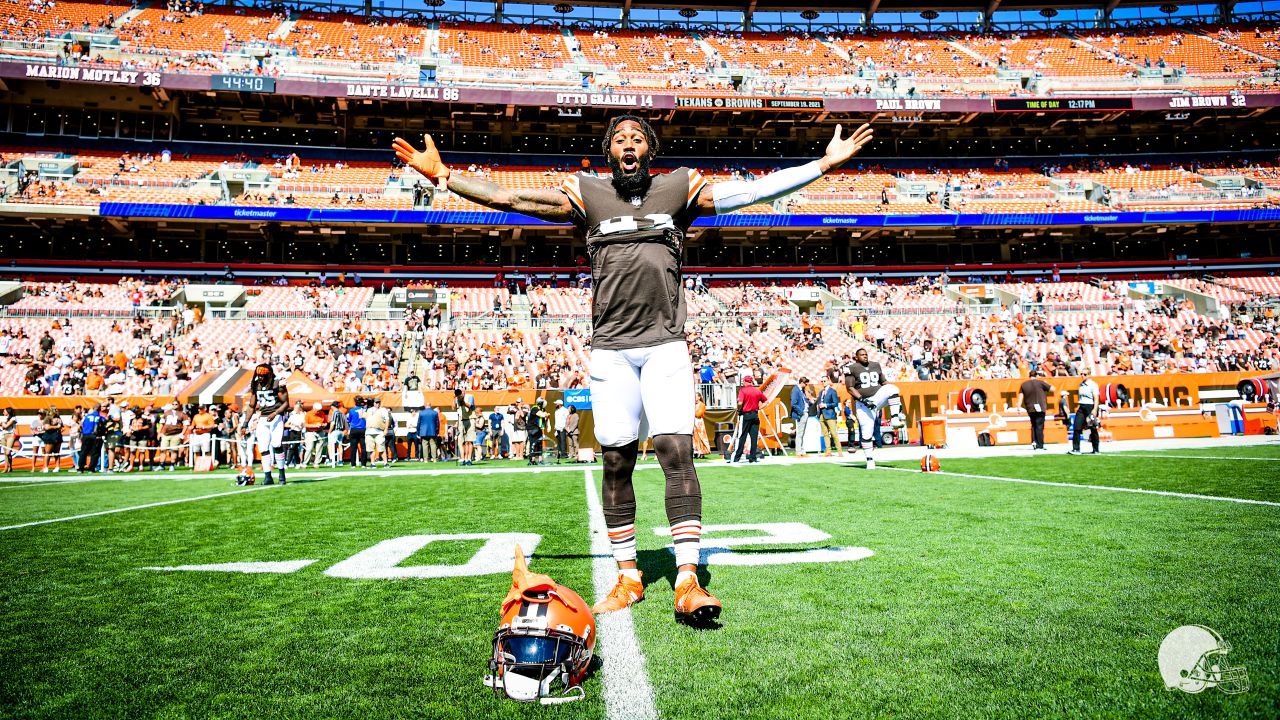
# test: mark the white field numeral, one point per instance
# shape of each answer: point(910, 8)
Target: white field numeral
point(719, 551)
point(382, 561)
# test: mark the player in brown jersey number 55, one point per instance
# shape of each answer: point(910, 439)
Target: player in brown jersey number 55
point(634, 224)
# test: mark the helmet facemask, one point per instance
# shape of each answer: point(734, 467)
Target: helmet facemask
point(529, 657)
point(1214, 670)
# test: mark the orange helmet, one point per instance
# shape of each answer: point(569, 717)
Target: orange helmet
point(547, 634)
point(929, 463)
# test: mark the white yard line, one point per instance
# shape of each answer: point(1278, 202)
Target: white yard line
point(627, 692)
point(1108, 488)
point(138, 507)
point(1173, 456)
point(45, 483)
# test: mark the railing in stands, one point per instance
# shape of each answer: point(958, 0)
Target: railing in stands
point(719, 396)
point(152, 311)
point(29, 48)
point(968, 309)
point(240, 313)
point(1042, 308)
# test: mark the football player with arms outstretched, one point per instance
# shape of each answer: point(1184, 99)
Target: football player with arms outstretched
point(268, 403)
point(865, 381)
point(634, 224)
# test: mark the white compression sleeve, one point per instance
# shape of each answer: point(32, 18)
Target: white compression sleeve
point(735, 194)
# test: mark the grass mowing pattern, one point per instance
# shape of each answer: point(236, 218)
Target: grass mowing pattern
point(984, 599)
point(1222, 478)
point(88, 633)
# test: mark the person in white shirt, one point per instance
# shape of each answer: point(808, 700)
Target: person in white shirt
point(294, 424)
point(1086, 418)
point(562, 435)
point(377, 419)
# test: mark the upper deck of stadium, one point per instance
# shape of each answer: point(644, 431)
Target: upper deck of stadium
point(977, 59)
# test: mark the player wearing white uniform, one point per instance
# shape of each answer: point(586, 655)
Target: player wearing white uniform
point(634, 225)
point(270, 402)
point(865, 381)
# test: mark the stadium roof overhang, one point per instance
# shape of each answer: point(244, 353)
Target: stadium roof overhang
point(871, 7)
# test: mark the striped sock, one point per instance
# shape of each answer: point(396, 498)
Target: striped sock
point(687, 536)
point(623, 541)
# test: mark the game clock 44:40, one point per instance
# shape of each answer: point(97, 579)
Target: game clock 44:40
point(244, 83)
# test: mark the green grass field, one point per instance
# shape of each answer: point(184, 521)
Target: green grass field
point(983, 599)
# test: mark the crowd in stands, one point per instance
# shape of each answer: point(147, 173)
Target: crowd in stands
point(927, 329)
point(860, 189)
point(190, 36)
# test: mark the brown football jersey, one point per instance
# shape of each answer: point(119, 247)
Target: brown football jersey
point(636, 247)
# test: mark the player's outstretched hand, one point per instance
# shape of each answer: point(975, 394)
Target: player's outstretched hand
point(840, 149)
point(427, 161)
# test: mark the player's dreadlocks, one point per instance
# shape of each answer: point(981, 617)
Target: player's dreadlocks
point(264, 377)
point(649, 134)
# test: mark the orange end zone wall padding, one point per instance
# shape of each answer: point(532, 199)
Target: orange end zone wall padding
point(1015, 429)
point(923, 399)
point(1180, 394)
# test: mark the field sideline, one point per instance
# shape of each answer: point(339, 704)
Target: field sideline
point(1010, 585)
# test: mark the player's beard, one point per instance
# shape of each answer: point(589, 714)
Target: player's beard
point(637, 183)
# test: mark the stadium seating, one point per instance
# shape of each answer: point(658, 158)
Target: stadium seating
point(917, 55)
point(1268, 286)
point(35, 19)
point(488, 45)
point(375, 185)
point(777, 53)
point(307, 301)
point(738, 324)
point(219, 30)
point(949, 63)
point(146, 170)
point(1200, 55)
point(1258, 39)
point(1224, 291)
point(345, 201)
point(342, 37)
point(1048, 54)
point(477, 301)
point(364, 352)
point(353, 177)
point(637, 52)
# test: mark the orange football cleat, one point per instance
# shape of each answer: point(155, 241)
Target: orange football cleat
point(626, 593)
point(695, 605)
